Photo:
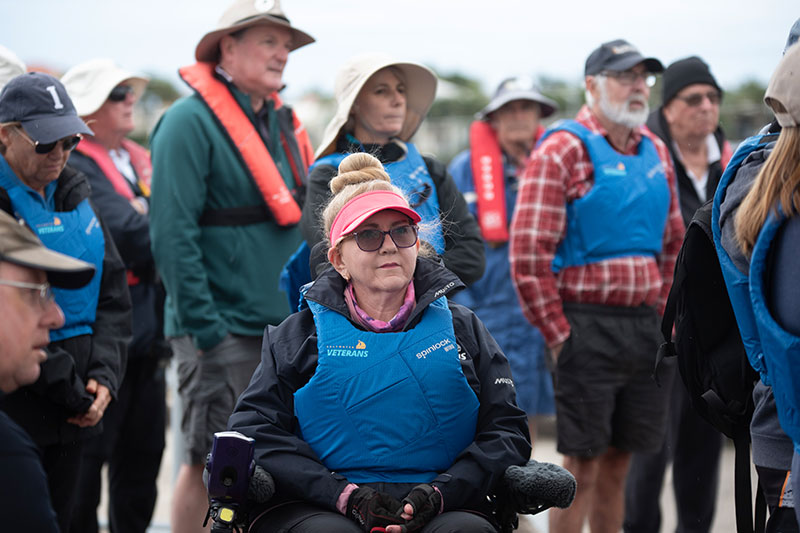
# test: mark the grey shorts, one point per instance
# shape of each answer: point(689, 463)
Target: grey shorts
point(209, 385)
point(604, 390)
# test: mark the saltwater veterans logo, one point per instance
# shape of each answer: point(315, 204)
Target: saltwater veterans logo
point(50, 227)
point(359, 350)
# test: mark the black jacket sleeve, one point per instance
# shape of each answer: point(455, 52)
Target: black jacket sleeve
point(463, 245)
point(129, 228)
point(265, 412)
point(317, 196)
point(501, 436)
point(111, 331)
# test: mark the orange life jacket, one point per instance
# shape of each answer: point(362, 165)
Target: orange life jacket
point(140, 160)
point(486, 161)
point(246, 140)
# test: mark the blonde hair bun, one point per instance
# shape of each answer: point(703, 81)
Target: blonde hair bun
point(358, 168)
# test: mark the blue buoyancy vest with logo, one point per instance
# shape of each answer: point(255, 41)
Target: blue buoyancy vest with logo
point(781, 349)
point(736, 280)
point(76, 233)
point(625, 211)
point(412, 176)
point(392, 407)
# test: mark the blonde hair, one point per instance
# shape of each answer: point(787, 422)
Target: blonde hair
point(360, 173)
point(778, 181)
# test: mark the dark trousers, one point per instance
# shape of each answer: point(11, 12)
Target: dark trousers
point(694, 447)
point(62, 463)
point(299, 517)
point(131, 443)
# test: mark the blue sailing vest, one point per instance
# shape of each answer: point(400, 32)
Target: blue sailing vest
point(412, 176)
point(76, 233)
point(393, 407)
point(735, 280)
point(625, 211)
point(780, 349)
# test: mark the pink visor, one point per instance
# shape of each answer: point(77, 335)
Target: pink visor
point(363, 206)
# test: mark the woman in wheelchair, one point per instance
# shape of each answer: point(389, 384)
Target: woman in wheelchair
point(380, 406)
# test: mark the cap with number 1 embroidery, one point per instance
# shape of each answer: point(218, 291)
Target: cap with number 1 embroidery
point(41, 104)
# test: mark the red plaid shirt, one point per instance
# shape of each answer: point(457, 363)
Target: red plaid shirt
point(559, 172)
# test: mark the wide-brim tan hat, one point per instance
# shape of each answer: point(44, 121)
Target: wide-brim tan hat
point(20, 246)
point(243, 14)
point(420, 82)
point(783, 91)
point(89, 83)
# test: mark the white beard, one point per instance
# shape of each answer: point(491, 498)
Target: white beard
point(621, 113)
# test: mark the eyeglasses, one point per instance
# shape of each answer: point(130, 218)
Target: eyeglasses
point(371, 240)
point(417, 198)
point(694, 100)
point(67, 143)
point(45, 293)
point(119, 93)
point(629, 77)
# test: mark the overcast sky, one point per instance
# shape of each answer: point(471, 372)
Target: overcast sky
point(487, 39)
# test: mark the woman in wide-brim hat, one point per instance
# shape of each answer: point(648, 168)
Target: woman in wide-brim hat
point(381, 103)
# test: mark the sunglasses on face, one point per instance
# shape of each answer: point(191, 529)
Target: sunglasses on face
point(694, 100)
point(371, 240)
point(119, 93)
point(67, 143)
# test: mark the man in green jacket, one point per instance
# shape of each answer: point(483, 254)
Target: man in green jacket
point(229, 163)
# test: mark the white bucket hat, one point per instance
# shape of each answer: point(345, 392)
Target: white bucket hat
point(243, 14)
point(89, 83)
point(10, 66)
point(420, 84)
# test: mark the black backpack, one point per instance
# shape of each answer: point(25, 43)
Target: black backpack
point(711, 356)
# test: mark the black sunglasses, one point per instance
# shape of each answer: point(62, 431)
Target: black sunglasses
point(371, 240)
point(67, 143)
point(120, 93)
point(695, 99)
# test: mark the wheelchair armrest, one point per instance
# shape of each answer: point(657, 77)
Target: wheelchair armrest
point(535, 487)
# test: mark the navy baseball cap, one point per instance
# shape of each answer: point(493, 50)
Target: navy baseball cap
point(617, 56)
point(41, 104)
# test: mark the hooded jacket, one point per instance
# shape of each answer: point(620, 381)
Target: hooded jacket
point(265, 411)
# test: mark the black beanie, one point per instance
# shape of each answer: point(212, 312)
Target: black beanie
point(683, 73)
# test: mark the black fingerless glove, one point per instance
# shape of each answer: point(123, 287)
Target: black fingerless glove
point(372, 509)
point(427, 503)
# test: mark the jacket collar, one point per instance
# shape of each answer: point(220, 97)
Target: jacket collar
point(431, 281)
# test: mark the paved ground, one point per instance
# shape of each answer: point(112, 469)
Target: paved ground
point(544, 451)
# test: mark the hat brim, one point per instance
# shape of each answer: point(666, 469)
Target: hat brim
point(355, 223)
point(547, 106)
point(652, 64)
point(52, 128)
point(208, 48)
point(62, 271)
point(420, 84)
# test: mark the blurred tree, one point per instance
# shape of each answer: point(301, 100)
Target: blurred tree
point(158, 96)
point(458, 95)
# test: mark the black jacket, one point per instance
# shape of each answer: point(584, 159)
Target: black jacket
point(131, 232)
point(265, 411)
point(463, 245)
point(43, 407)
point(687, 194)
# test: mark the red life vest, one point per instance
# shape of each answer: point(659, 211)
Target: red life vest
point(248, 143)
point(140, 160)
point(486, 160)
